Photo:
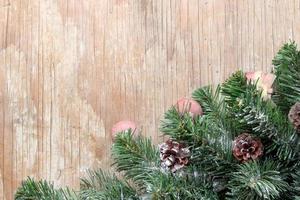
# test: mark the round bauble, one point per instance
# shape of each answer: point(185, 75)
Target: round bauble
point(264, 82)
point(122, 126)
point(186, 105)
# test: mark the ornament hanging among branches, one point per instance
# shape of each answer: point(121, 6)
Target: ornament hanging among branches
point(264, 82)
point(186, 105)
point(121, 126)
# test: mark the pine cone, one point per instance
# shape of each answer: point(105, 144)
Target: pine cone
point(245, 147)
point(294, 115)
point(173, 155)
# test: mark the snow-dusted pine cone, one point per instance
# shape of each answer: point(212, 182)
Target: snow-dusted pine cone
point(294, 115)
point(245, 147)
point(173, 155)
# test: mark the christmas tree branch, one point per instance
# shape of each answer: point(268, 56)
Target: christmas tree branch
point(287, 83)
point(136, 157)
point(42, 190)
point(265, 120)
point(168, 186)
point(234, 88)
point(257, 180)
point(220, 127)
point(261, 117)
point(100, 185)
point(182, 126)
point(210, 101)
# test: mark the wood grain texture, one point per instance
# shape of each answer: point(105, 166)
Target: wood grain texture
point(70, 69)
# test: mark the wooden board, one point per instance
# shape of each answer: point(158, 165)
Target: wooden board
point(70, 69)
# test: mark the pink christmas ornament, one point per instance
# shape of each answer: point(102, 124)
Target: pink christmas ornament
point(264, 82)
point(124, 125)
point(250, 76)
point(190, 106)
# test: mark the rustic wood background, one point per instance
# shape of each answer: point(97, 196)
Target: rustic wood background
point(70, 69)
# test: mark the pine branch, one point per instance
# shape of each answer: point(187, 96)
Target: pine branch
point(234, 88)
point(210, 101)
point(216, 128)
point(210, 160)
point(136, 157)
point(296, 184)
point(287, 83)
point(256, 180)
point(182, 127)
point(100, 185)
point(42, 190)
point(270, 124)
point(209, 136)
point(169, 187)
point(220, 126)
point(261, 117)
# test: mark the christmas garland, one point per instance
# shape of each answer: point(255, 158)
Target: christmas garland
point(237, 141)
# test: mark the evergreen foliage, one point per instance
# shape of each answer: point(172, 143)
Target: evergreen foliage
point(287, 69)
point(137, 158)
point(186, 186)
point(255, 180)
point(213, 171)
point(99, 185)
point(42, 190)
point(181, 127)
point(296, 184)
point(263, 118)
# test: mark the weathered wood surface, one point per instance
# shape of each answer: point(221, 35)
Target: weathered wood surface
point(70, 69)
